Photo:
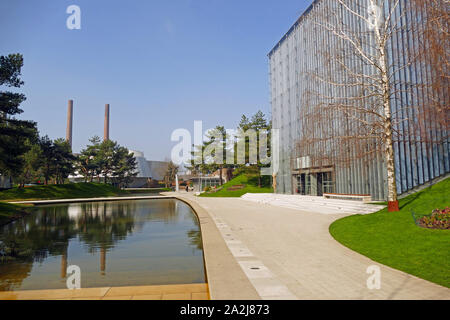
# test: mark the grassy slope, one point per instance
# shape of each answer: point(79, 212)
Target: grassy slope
point(64, 191)
point(251, 186)
point(394, 239)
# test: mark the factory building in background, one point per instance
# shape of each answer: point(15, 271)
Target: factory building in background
point(310, 165)
point(149, 173)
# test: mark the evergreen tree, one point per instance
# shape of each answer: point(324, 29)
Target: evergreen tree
point(47, 151)
point(58, 162)
point(88, 163)
point(31, 169)
point(124, 167)
point(258, 123)
point(64, 160)
point(13, 132)
point(108, 159)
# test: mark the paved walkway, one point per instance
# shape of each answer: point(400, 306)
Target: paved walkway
point(289, 254)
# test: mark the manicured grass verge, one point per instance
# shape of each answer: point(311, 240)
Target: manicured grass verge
point(393, 238)
point(251, 186)
point(63, 191)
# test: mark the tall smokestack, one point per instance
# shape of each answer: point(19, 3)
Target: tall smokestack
point(69, 122)
point(106, 129)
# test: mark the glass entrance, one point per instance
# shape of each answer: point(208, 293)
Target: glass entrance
point(323, 183)
point(327, 182)
point(319, 177)
point(303, 184)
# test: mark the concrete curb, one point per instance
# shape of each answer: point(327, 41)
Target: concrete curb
point(225, 277)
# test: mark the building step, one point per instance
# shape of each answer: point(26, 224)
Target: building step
point(312, 203)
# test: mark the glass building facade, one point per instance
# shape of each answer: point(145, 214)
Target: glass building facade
point(311, 163)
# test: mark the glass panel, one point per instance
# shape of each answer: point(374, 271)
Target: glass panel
point(328, 184)
point(307, 184)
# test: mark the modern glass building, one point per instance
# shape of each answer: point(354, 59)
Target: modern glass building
point(312, 72)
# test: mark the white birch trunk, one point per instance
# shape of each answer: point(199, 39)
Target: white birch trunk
point(386, 96)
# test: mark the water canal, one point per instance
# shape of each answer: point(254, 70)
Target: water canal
point(116, 243)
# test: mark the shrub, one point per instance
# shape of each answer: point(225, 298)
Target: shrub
point(438, 219)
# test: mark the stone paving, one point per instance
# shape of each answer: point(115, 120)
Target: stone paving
point(265, 282)
point(164, 292)
point(289, 253)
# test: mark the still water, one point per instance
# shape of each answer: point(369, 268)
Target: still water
point(117, 243)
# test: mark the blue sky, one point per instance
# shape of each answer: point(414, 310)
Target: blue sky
point(159, 64)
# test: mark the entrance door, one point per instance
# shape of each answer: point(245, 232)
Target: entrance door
point(303, 184)
point(322, 182)
point(300, 184)
point(319, 184)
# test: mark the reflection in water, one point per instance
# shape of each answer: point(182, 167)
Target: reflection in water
point(139, 242)
point(195, 236)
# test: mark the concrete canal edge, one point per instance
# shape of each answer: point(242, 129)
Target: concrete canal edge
point(226, 279)
point(77, 200)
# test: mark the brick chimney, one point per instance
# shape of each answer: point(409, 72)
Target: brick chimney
point(69, 122)
point(106, 128)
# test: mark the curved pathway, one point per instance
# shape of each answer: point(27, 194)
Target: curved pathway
point(289, 254)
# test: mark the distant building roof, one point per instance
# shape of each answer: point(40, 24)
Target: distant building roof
point(142, 168)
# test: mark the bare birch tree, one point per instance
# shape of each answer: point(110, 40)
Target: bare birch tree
point(361, 100)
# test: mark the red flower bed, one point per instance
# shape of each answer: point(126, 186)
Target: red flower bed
point(439, 219)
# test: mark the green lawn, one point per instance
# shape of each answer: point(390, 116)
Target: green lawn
point(251, 186)
point(63, 191)
point(393, 239)
point(151, 190)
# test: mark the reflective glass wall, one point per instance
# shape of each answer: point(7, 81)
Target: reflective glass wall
point(295, 66)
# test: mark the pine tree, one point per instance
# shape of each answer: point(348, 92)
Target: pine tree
point(13, 132)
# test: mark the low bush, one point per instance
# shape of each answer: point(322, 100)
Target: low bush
point(438, 219)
